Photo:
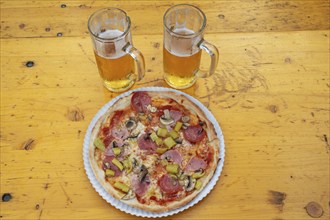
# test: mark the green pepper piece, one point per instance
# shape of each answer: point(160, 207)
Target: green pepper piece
point(172, 168)
point(121, 186)
point(174, 134)
point(116, 150)
point(198, 175)
point(109, 173)
point(153, 136)
point(99, 144)
point(178, 126)
point(169, 142)
point(116, 162)
point(161, 150)
point(198, 184)
point(162, 132)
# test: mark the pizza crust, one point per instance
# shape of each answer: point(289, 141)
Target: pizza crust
point(123, 103)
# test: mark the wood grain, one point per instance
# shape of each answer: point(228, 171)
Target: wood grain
point(270, 95)
point(222, 16)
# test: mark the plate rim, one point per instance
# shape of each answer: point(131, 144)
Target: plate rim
point(136, 211)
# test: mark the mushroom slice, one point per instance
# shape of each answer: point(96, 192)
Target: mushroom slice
point(143, 173)
point(130, 124)
point(129, 195)
point(166, 121)
point(151, 108)
point(135, 165)
point(185, 125)
point(188, 183)
point(185, 119)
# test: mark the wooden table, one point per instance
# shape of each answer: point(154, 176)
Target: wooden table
point(270, 95)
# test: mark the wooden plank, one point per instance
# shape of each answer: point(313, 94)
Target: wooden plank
point(270, 95)
point(222, 16)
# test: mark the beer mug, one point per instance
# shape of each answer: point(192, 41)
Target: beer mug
point(183, 40)
point(115, 55)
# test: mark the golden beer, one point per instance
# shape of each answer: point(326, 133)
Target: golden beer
point(115, 55)
point(180, 71)
point(184, 26)
point(117, 73)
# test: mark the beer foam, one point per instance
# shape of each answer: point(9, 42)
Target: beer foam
point(110, 34)
point(181, 53)
point(182, 46)
point(183, 31)
point(111, 50)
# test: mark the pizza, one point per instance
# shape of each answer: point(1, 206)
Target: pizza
point(155, 151)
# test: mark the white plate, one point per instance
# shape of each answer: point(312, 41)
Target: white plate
point(135, 211)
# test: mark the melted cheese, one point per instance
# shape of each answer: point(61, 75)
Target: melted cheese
point(138, 129)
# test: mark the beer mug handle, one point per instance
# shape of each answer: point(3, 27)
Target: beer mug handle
point(138, 58)
point(214, 54)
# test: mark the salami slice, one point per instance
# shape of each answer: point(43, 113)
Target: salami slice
point(145, 143)
point(169, 184)
point(140, 101)
point(194, 133)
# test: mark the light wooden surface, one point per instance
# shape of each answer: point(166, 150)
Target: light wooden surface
point(270, 95)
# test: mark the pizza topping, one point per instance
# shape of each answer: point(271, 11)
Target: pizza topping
point(166, 118)
point(151, 108)
point(120, 134)
point(109, 173)
point(185, 125)
point(128, 165)
point(198, 174)
point(194, 133)
point(108, 164)
point(130, 124)
point(169, 142)
point(173, 156)
point(140, 188)
point(172, 168)
point(129, 195)
point(177, 126)
point(108, 152)
point(169, 184)
point(161, 150)
point(174, 134)
point(137, 130)
point(162, 132)
point(196, 163)
point(185, 119)
point(153, 136)
point(198, 184)
point(146, 143)
point(116, 150)
point(117, 163)
point(159, 142)
point(188, 183)
point(99, 144)
point(143, 173)
point(175, 115)
point(140, 101)
point(121, 186)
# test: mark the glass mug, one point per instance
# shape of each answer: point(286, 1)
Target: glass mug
point(115, 55)
point(183, 40)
